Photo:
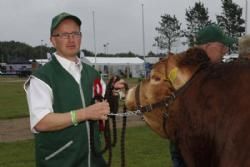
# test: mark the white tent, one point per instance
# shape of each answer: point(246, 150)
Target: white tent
point(127, 66)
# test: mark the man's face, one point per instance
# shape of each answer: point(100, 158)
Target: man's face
point(66, 38)
point(215, 51)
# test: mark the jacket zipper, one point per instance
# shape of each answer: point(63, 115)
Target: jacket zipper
point(59, 150)
point(87, 127)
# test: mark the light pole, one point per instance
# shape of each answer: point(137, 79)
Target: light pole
point(246, 17)
point(94, 36)
point(143, 40)
point(41, 49)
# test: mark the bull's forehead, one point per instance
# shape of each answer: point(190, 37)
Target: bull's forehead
point(159, 68)
point(160, 63)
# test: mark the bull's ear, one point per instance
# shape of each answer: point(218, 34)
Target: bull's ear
point(176, 74)
point(172, 70)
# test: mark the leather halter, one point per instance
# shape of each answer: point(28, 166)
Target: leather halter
point(148, 108)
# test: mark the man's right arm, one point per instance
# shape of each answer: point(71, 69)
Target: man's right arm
point(42, 116)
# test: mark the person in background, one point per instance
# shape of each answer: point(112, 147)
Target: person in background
point(244, 47)
point(60, 100)
point(215, 43)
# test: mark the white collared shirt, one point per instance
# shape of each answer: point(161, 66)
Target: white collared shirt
point(39, 94)
point(74, 68)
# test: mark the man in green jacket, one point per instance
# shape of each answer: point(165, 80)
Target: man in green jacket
point(59, 96)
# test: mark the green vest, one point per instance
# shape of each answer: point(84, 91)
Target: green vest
point(68, 147)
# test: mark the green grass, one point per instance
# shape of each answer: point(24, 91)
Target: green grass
point(17, 154)
point(13, 102)
point(143, 149)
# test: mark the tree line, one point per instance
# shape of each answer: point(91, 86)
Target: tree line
point(12, 52)
point(16, 52)
point(170, 31)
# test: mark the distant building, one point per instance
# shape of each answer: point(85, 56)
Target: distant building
point(18, 68)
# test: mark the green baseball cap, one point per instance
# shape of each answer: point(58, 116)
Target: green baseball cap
point(60, 17)
point(213, 33)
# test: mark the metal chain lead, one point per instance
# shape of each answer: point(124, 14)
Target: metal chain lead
point(126, 114)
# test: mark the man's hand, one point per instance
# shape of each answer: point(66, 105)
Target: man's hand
point(97, 111)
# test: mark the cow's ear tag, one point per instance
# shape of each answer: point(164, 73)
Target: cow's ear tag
point(173, 74)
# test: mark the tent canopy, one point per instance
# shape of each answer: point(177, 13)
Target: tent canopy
point(115, 60)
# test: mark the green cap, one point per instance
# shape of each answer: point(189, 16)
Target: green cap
point(60, 17)
point(213, 33)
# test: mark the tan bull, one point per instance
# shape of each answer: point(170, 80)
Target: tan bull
point(202, 107)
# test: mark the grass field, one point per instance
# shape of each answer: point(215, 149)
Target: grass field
point(12, 98)
point(143, 147)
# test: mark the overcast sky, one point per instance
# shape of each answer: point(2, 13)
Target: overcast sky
point(117, 22)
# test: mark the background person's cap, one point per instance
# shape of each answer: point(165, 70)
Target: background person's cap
point(60, 17)
point(213, 33)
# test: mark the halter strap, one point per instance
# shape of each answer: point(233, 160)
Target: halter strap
point(137, 96)
point(148, 108)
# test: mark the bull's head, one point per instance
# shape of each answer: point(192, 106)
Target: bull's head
point(167, 76)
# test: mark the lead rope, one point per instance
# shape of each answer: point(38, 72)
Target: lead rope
point(123, 133)
point(105, 129)
point(114, 105)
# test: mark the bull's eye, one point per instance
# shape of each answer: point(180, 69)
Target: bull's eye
point(157, 78)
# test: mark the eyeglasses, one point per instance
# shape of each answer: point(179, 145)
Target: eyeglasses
point(67, 35)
